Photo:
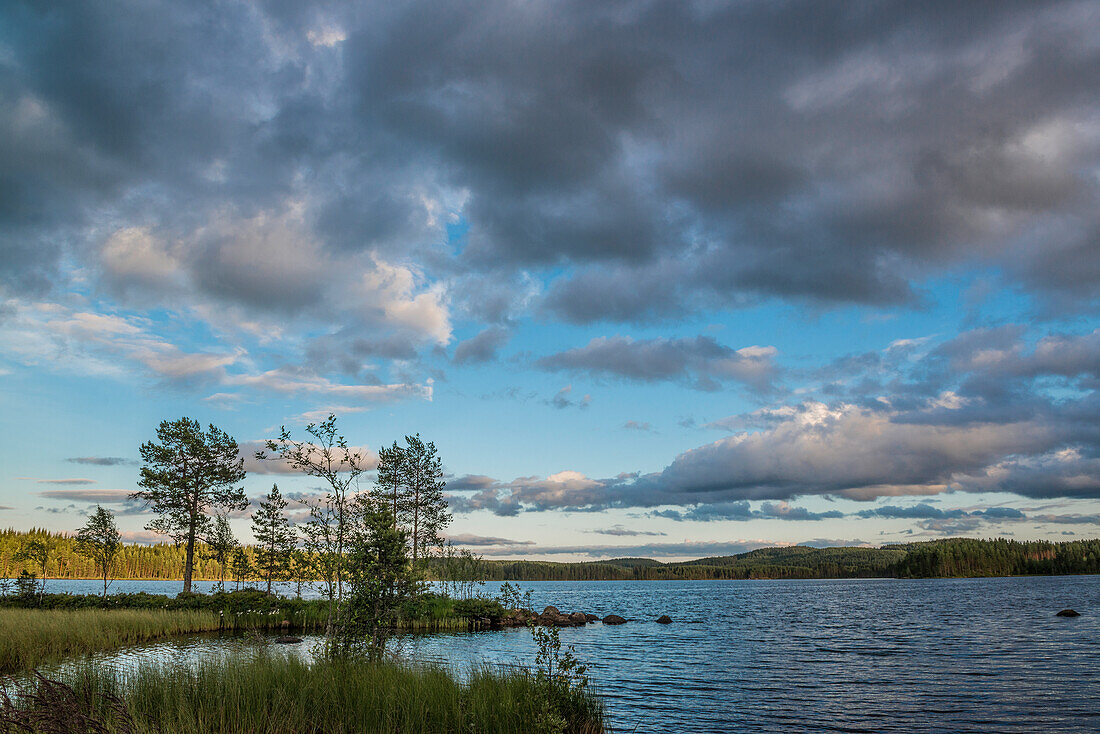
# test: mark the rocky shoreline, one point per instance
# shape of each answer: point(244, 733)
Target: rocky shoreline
point(551, 616)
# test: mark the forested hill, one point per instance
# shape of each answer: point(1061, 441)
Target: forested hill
point(948, 557)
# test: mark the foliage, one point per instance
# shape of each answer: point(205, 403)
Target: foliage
point(274, 537)
point(380, 579)
point(36, 551)
point(186, 475)
point(326, 456)
point(99, 540)
point(284, 695)
point(460, 571)
point(242, 566)
point(561, 677)
point(388, 487)
point(422, 478)
point(512, 597)
point(31, 637)
point(220, 546)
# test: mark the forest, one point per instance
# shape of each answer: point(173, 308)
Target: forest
point(950, 557)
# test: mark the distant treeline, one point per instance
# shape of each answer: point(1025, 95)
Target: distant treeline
point(159, 561)
point(950, 557)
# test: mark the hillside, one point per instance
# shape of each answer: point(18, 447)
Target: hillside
point(948, 557)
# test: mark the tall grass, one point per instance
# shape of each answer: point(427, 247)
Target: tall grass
point(272, 694)
point(31, 637)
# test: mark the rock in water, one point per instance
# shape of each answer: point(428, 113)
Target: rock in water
point(1068, 613)
point(288, 640)
point(591, 618)
point(551, 611)
point(578, 619)
point(613, 619)
point(664, 619)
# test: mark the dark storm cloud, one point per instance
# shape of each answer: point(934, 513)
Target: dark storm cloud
point(672, 155)
point(700, 362)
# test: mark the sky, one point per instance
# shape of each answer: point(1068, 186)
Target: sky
point(667, 279)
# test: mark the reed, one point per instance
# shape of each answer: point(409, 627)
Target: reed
point(274, 694)
point(31, 637)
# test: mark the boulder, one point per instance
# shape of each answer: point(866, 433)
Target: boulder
point(551, 610)
point(591, 618)
point(613, 619)
point(578, 619)
point(549, 619)
point(288, 640)
point(664, 619)
point(1068, 613)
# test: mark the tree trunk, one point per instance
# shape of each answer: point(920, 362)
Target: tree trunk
point(104, 580)
point(189, 561)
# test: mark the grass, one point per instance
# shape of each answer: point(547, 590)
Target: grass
point(31, 637)
point(271, 694)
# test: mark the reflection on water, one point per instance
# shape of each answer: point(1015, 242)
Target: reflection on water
point(964, 655)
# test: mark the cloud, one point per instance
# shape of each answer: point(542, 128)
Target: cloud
point(105, 496)
point(64, 481)
point(299, 148)
point(143, 537)
point(700, 362)
point(477, 541)
point(686, 549)
point(620, 532)
point(563, 399)
point(483, 347)
point(274, 465)
point(101, 461)
point(742, 511)
point(638, 426)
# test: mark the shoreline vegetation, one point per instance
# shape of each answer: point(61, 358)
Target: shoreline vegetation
point(272, 694)
point(948, 557)
point(369, 555)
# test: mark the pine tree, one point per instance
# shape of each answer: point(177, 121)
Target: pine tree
point(100, 541)
point(380, 580)
point(275, 538)
point(220, 545)
point(422, 477)
point(389, 487)
point(242, 567)
point(185, 476)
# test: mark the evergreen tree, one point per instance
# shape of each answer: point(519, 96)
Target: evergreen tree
point(220, 545)
point(242, 567)
point(422, 477)
point(389, 487)
point(100, 541)
point(185, 476)
point(380, 580)
point(275, 538)
point(37, 551)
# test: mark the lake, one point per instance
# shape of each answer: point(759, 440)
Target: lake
point(881, 655)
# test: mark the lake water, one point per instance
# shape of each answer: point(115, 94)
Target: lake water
point(941, 655)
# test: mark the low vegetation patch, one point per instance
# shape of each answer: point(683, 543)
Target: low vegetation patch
point(271, 694)
point(32, 637)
